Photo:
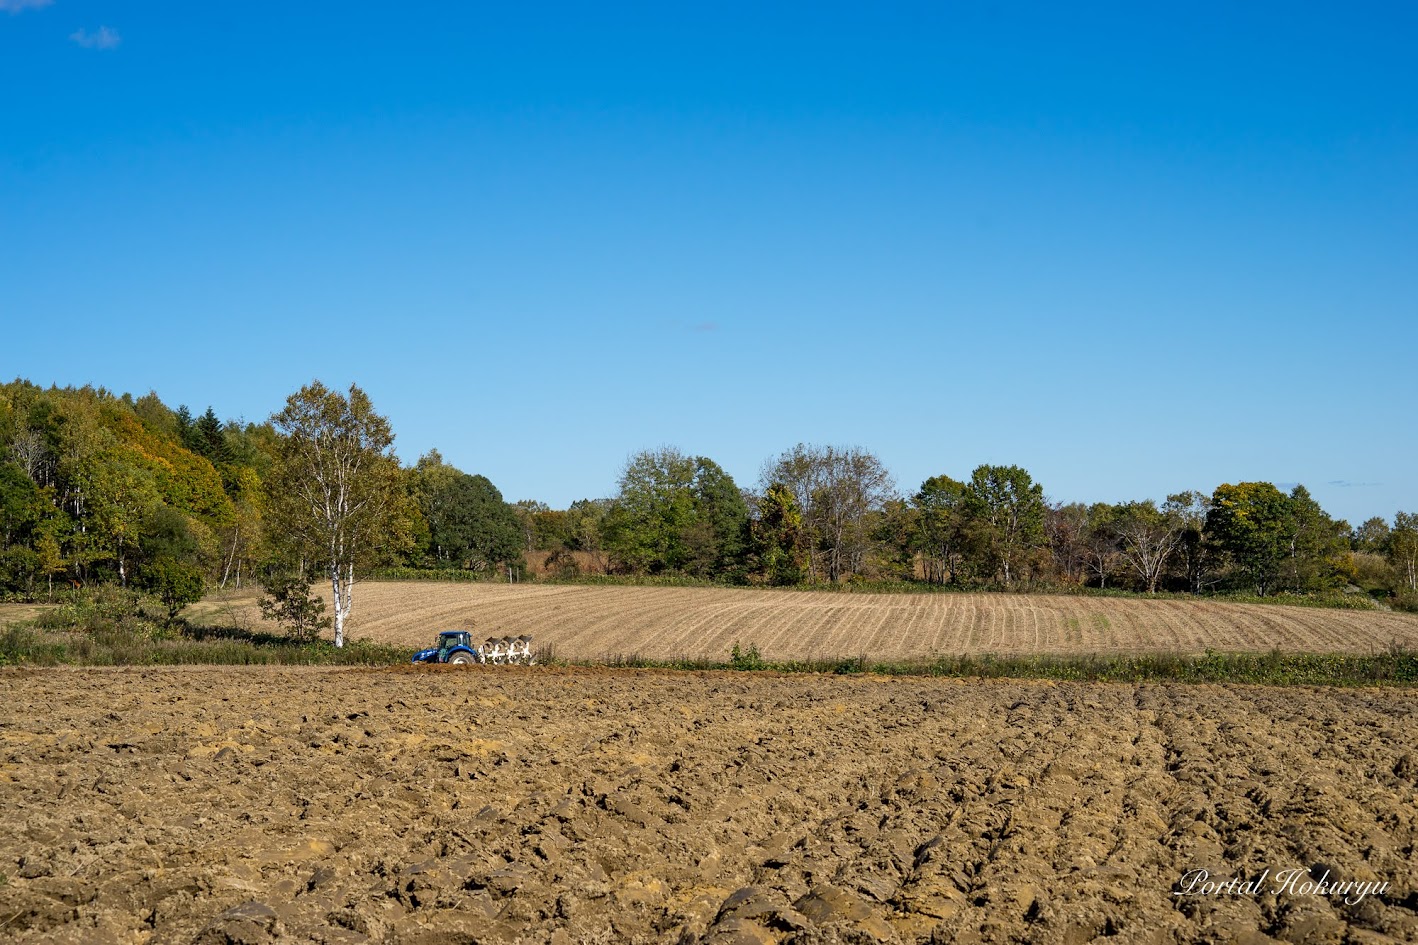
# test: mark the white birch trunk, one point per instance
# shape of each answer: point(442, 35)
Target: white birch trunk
point(338, 604)
point(226, 571)
point(341, 586)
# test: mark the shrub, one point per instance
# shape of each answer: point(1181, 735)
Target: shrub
point(749, 659)
point(105, 608)
point(287, 600)
point(176, 583)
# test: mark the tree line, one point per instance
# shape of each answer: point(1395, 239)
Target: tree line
point(98, 488)
point(824, 514)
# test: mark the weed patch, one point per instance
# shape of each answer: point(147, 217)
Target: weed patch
point(1397, 666)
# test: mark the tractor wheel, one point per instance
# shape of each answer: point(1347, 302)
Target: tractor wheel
point(461, 659)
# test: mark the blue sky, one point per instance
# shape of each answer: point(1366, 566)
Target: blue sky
point(1133, 249)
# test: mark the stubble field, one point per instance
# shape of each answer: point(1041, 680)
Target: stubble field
point(502, 804)
point(592, 622)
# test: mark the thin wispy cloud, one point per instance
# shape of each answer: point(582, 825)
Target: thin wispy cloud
point(705, 326)
point(1346, 484)
point(16, 6)
point(105, 38)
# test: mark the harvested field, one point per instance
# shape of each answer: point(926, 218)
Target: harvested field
point(588, 622)
point(18, 613)
point(425, 805)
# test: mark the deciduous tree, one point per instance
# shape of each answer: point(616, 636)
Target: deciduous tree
point(1251, 523)
point(942, 537)
point(585, 527)
point(476, 529)
point(838, 489)
point(653, 508)
point(1403, 548)
point(778, 537)
point(334, 496)
point(1006, 509)
point(1371, 537)
point(1315, 545)
point(675, 512)
point(1197, 555)
point(1100, 542)
point(1147, 538)
point(176, 583)
point(286, 599)
point(1066, 527)
point(49, 558)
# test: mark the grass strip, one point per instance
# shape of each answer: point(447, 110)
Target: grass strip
point(1276, 668)
point(23, 645)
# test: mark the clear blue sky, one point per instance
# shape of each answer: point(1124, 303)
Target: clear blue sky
point(1133, 248)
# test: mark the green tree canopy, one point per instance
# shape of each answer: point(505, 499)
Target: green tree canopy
point(677, 513)
point(1005, 507)
point(335, 495)
point(475, 528)
point(941, 534)
point(1276, 540)
point(468, 525)
point(778, 537)
point(841, 492)
point(1249, 522)
point(1372, 536)
point(1316, 546)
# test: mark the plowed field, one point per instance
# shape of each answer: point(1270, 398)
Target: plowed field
point(667, 623)
point(494, 804)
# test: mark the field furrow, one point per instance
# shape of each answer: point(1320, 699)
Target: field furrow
point(544, 804)
point(590, 622)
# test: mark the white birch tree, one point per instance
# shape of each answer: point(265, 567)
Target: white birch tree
point(334, 496)
point(1147, 538)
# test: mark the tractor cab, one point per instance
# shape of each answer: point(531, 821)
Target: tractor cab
point(454, 646)
point(449, 639)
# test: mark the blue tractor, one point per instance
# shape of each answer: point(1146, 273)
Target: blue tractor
point(454, 646)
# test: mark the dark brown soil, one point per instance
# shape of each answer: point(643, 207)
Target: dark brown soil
point(498, 804)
